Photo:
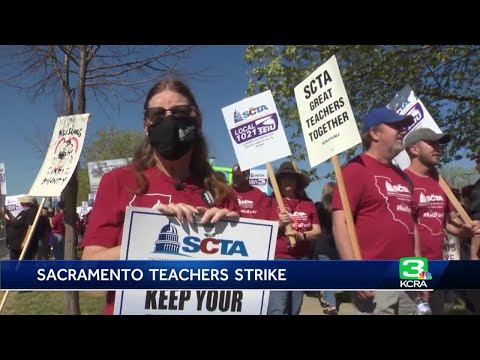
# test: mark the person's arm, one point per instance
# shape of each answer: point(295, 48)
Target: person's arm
point(455, 226)
point(342, 236)
point(418, 248)
point(96, 252)
point(354, 181)
point(313, 234)
point(475, 248)
point(105, 222)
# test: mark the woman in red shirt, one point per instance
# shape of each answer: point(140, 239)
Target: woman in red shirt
point(169, 172)
point(302, 215)
point(58, 232)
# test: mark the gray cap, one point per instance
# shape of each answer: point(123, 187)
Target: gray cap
point(425, 134)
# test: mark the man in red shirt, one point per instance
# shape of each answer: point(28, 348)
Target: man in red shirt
point(433, 212)
point(250, 198)
point(380, 197)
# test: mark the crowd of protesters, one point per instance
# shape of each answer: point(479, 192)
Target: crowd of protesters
point(396, 213)
point(48, 238)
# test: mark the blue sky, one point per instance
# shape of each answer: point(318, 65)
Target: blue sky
point(26, 125)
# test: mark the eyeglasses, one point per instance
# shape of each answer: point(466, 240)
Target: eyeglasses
point(155, 115)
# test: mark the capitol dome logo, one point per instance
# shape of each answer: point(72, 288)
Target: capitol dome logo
point(167, 242)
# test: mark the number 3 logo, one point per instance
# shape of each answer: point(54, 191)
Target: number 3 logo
point(411, 268)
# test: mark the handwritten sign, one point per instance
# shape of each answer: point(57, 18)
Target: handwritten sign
point(62, 155)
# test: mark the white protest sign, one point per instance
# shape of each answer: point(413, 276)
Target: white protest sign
point(328, 124)
point(96, 169)
point(256, 131)
point(259, 179)
point(406, 103)
point(13, 205)
point(84, 209)
point(149, 235)
point(451, 247)
point(3, 180)
point(62, 156)
point(91, 198)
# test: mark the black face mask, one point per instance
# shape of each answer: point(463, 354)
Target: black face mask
point(173, 136)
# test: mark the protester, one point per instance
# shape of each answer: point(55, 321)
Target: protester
point(58, 232)
point(474, 210)
point(380, 198)
point(324, 246)
point(17, 228)
point(169, 172)
point(302, 216)
point(432, 210)
point(250, 199)
point(43, 241)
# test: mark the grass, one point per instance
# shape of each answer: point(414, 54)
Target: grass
point(50, 303)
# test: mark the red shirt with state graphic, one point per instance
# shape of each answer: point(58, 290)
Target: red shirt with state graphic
point(430, 208)
point(381, 203)
point(251, 203)
point(116, 191)
point(303, 215)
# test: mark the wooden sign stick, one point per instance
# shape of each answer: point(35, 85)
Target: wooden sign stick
point(346, 208)
point(278, 197)
point(25, 243)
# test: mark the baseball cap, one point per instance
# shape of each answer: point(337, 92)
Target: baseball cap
point(425, 134)
point(383, 116)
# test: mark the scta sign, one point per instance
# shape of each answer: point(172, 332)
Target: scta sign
point(209, 245)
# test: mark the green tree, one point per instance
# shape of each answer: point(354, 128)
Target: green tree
point(108, 144)
point(458, 177)
point(444, 77)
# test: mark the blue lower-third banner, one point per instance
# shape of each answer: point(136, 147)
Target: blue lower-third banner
point(406, 273)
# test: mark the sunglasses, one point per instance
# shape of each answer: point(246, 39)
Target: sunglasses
point(155, 115)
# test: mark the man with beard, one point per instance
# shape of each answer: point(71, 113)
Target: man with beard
point(380, 196)
point(433, 212)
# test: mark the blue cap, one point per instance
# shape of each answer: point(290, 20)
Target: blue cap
point(382, 116)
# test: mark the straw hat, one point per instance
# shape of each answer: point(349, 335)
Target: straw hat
point(27, 199)
point(287, 168)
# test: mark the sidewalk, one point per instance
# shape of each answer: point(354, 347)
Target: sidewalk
point(311, 306)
